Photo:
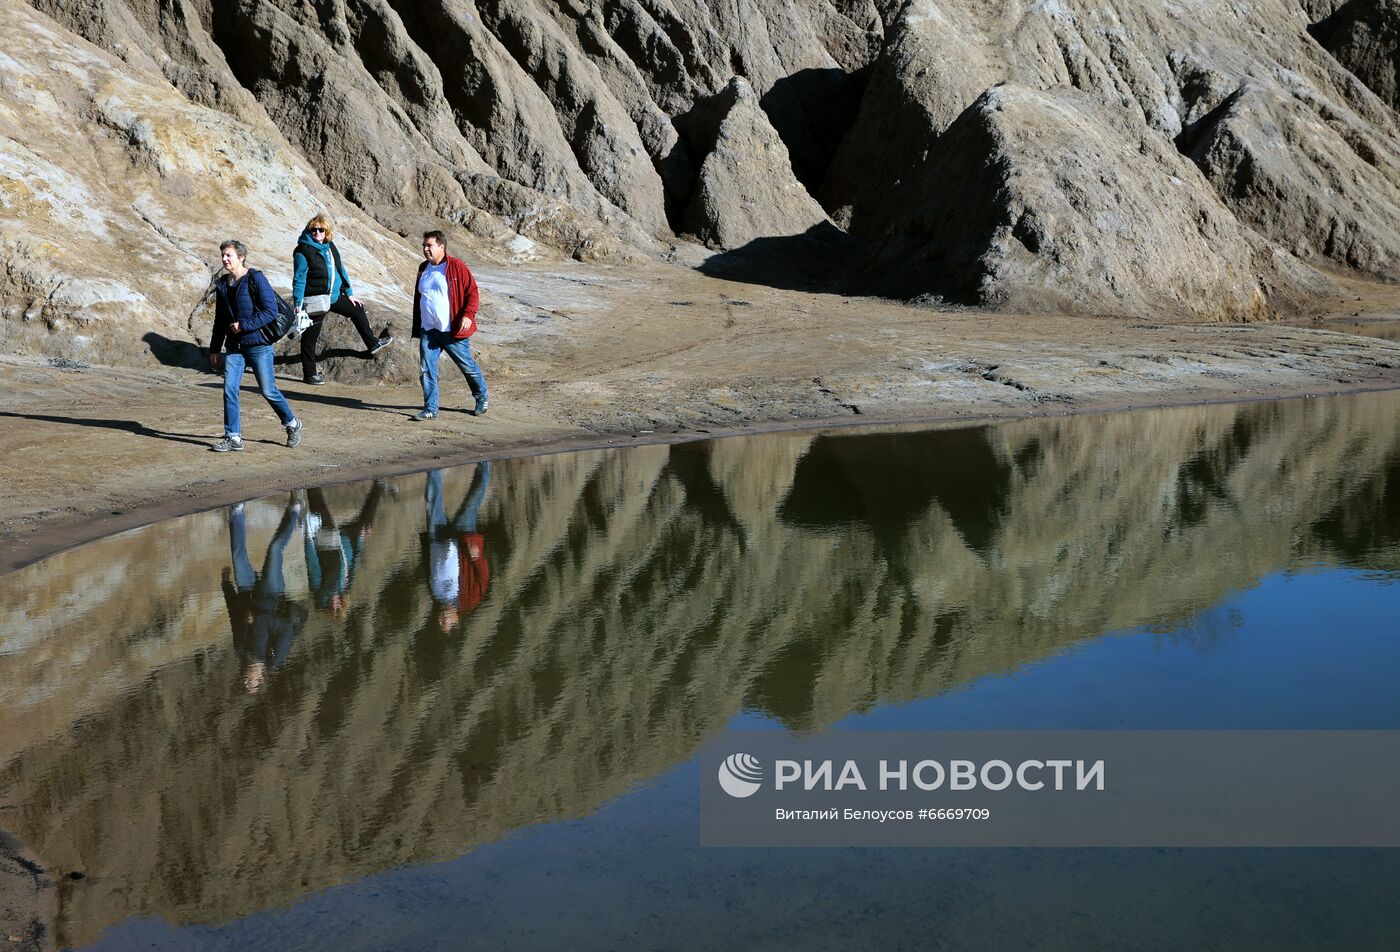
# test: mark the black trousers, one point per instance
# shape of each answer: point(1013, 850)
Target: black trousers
point(312, 335)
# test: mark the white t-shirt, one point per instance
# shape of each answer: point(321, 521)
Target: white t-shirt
point(434, 307)
point(445, 571)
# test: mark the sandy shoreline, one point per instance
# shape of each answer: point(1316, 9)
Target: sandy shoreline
point(623, 358)
point(85, 521)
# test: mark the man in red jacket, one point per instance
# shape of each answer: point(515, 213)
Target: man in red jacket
point(444, 319)
point(454, 552)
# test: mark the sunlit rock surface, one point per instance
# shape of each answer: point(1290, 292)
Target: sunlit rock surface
point(578, 128)
point(116, 191)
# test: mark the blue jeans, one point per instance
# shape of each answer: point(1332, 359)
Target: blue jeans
point(271, 584)
point(260, 359)
point(270, 629)
point(465, 520)
point(430, 347)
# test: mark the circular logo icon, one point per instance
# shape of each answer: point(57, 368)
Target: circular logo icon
point(740, 775)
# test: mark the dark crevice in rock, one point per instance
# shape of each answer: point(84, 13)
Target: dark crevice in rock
point(1325, 29)
point(1364, 37)
point(746, 188)
point(684, 173)
point(679, 170)
point(698, 128)
point(244, 49)
point(812, 111)
point(1193, 133)
point(467, 86)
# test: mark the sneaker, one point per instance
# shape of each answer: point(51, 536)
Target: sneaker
point(424, 415)
point(294, 434)
point(384, 341)
point(229, 444)
point(482, 406)
point(315, 380)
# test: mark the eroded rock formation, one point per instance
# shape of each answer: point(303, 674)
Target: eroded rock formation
point(1294, 146)
point(1364, 36)
point(746, 189)
point(1015, 213)
point(1183, 160)
point(117, 191)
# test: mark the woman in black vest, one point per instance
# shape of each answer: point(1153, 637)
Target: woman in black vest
point(321, 286)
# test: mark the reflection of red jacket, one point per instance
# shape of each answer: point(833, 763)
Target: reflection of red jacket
point(475, 571)
point(463, 298)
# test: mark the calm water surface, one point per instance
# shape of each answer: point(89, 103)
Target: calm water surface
point(1384, 328)
point(460, 709)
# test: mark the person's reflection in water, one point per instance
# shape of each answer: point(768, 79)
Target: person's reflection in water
point(333, 550)
point(263, 619)
point(458, 573)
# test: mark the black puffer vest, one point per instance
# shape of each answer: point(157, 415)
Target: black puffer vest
point(318, 281)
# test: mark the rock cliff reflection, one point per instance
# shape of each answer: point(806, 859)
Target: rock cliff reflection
point(219, 714)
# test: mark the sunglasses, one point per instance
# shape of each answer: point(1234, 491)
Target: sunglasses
point(318, 231)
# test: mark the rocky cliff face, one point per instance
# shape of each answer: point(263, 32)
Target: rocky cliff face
point(1119, 157)
point(117, 191)
point(1364, 36)
point(1016, 212)
point(1298, 150)
point(746, 189)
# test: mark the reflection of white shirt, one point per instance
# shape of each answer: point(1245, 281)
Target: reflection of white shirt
point(434, 309)
point(442, 560)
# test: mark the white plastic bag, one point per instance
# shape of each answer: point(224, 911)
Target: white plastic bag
point(300, 325)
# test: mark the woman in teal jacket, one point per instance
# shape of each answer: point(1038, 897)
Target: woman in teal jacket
point(318, 277)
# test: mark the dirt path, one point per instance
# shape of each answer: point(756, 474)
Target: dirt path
point(588, 356)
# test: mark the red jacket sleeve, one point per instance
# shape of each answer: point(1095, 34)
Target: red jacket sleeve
point(418, 303)
point(475, 576)
point(466, 298)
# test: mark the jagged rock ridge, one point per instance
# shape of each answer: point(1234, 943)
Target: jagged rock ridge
point(607, 128)
point(1298, 150)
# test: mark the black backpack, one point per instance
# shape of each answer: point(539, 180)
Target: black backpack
point(286, 317)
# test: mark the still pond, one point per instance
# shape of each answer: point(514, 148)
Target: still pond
point(460, 709)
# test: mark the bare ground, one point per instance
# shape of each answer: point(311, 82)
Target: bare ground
point(587, 356)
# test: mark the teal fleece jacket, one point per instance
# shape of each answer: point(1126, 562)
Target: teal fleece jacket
point(324, 259)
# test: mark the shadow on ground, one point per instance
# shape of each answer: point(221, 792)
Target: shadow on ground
point(822, 259)
point(183, 353)
point(298, 392)
point(826, 260)
point(176, 353)
point(130, 426)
